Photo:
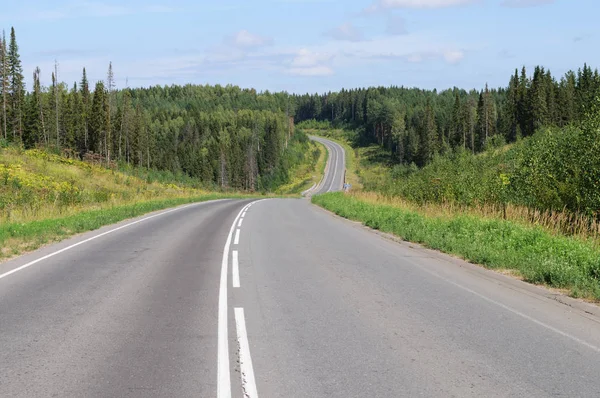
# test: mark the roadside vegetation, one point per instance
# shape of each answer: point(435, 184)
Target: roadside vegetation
point(307, 171)
point(45, 197)
point(530, 208)
point(342, 137)
point(528, 251)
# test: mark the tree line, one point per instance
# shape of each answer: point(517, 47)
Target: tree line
point(415, 125)
point(225, 136)
point(233, 137)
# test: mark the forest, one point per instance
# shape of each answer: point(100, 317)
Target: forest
point(415, 125)
point(224, 136)
point(230, 137)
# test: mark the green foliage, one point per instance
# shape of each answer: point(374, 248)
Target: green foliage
point(414, 125)
point(18, 237)
point(539, 256)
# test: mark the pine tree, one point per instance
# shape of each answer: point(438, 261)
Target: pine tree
point(398, 134)
point(511, 111)
point(97, 122)
point(480, 130)
point(523, 108)
point(490, 113)
point(4, 84)
point(16, 86)
point(110, 86)
point(56, 102)
point(125, 125)
point(85, 110)
point(34, 120)
point(457, 131)
point(537, 101)
point(427, 145)
point(567, 99)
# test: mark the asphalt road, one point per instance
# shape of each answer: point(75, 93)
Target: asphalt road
point(335, 169)
point(278, 298)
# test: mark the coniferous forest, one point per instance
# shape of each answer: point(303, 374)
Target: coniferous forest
point(415, 125)
point(224, 136)
point(233, 137)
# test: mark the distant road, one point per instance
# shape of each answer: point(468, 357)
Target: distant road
point(279, 298)
point(335, 169)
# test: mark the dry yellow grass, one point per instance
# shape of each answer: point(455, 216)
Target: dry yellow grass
point(562, 223)
point(35, 185)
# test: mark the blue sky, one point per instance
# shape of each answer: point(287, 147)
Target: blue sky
point(304, 45)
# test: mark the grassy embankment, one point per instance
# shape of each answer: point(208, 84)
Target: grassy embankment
point(341, 137)
point(307, 172)
point(475, 207)
point(45, 198)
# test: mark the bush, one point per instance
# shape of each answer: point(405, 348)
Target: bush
point(554, 170)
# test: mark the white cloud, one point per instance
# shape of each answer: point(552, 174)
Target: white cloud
point(525, 3)
point(245, 39)
point(307, 58)
point(394, 4)
point(347, 32)
point(310, 63)
point(454, 56)
point(311, 71)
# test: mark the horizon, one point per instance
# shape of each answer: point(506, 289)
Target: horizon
point(426, 44)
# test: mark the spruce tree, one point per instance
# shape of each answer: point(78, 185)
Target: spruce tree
point(428, 145)
point(85, 110)
point(97, 123)
point(34, 118)
point(457, 133)
point(511, 111)
point(4, 84)
point(16, 86)
point(110, 86)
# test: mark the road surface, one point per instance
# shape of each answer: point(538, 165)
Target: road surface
point(278, 298)
point(333, 180)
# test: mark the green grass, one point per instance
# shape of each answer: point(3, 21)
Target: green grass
point(304, 174)
point(537, 255)
point(16, 238)
point(343, 137)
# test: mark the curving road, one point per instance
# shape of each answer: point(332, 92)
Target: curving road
point(335, 169)
point(278, 298)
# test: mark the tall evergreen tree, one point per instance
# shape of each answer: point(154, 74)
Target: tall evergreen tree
point(85, 110)
point(511, 112)
point(427, 144)
point(97, 122)
point(4, 84)
point(16, 86)
point(110, 86)
point(34, 121)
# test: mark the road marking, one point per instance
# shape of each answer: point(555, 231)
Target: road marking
point(246, 369)
point(237, 237)
point(235, 270)
point(29, 264)
point(519, 313)
point(223, 375)
point(240, 223)
point(244, 215)
point(334, 167)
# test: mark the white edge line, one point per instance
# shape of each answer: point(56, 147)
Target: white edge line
point(223, 372)
point(237, 237)
point(519, 313)
point(29, 264)
point(246, 369)
point(235, 270)
point(332, 185)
